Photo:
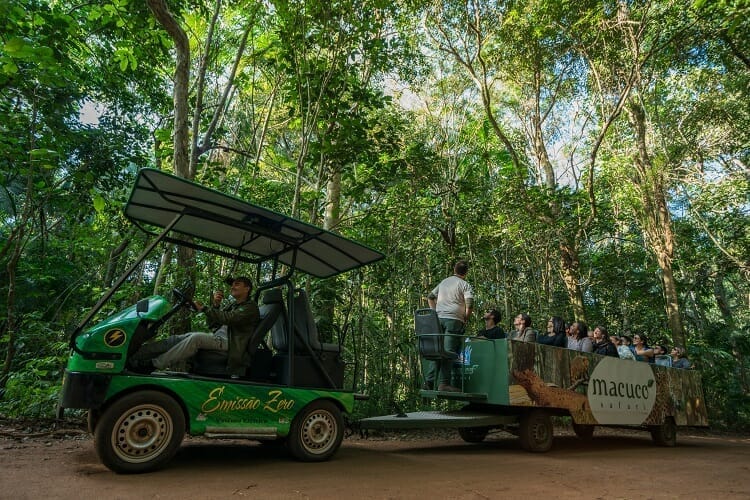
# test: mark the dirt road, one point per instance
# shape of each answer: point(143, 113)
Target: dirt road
point(620, 464)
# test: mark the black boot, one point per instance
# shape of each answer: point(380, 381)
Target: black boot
point(142, 366)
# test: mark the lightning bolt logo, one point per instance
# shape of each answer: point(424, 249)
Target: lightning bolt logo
point(114, 338)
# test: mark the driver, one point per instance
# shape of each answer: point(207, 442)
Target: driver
point(231, 323)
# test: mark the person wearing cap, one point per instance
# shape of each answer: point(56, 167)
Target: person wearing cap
point(492, 330)
point(229, 324)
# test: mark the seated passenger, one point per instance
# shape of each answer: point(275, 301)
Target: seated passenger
point(642, 351)
point(661, 357)
point(236, 320)
point(523, 332)
point(555, 333)
point(678, 358)
point(625, 350)
point(491, 330)
point(602, 344)
point(579, 339)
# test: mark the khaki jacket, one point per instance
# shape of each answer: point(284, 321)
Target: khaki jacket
point(241, 319)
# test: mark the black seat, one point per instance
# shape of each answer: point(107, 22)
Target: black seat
point(305, 325)
point(315, 364)
point(430, 336)
point(208, 362)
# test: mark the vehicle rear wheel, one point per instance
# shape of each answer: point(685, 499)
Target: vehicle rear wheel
point(316, 432)
point(473, 434)
point(583, 431)
point(535, 431)
point(664, 434)
point(140, 432)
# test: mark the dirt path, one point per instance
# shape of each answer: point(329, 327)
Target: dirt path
point(619, 464)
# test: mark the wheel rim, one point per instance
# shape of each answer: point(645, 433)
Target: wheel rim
point(319, 432)
point(142, 433)
point(540, 433)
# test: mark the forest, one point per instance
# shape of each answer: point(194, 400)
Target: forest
point(589, 159)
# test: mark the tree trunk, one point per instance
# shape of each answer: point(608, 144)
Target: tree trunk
point(185, 256)
point(12, 323)
point(181, 85)
point(569, 269)
point(655, 218)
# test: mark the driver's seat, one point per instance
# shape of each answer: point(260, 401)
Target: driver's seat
point(208, 362)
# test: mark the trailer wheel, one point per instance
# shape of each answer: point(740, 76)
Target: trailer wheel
point(316, 432)
point(140, 432)
point(583, 431)
point(535, 431)
point(664, 434)
point(473, 434)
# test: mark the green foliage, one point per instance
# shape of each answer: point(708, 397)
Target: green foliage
point(360, 92)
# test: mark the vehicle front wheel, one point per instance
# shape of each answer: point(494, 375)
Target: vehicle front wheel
point(535, 431)
point(473, 434)
point(140, 432)
point(316, 432)
point(664, 434)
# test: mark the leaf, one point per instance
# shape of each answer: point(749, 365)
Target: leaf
point(99, 203)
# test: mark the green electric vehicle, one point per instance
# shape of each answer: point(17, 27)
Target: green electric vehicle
point(292, 387)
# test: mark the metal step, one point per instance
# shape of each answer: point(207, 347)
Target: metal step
point(241, 433)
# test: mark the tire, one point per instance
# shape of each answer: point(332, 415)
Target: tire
point(316, 432)
point(92, 419)
point(140, 432)
point(535, 431)
point(583, 431)
point(664, 434)
point(473, 434)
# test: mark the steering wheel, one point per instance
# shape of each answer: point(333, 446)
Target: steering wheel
point(183, 299)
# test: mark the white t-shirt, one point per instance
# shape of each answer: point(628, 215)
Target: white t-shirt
point(451, 295)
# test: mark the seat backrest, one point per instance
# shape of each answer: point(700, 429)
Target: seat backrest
point(304, 322)
point(305, 327)
point(279, 333)
point(663, 360)
point(270, 310)
point(430, 337)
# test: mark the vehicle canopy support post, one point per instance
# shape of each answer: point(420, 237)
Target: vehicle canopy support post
point(122, 279)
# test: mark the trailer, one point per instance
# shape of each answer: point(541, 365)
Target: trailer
point(519, 386)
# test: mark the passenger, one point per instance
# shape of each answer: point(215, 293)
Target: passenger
point(661, 357)
point(523, 332)
point(625, 349)
point(555, 333)
point(642, 351)
point(492, 329)
point(678, 358)
point(602, 344)
point(238, 319)
point(453, 300)
point(627, 341)
point(579, 339)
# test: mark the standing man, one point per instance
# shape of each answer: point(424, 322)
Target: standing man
point(232, 323)
point(453, 300)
